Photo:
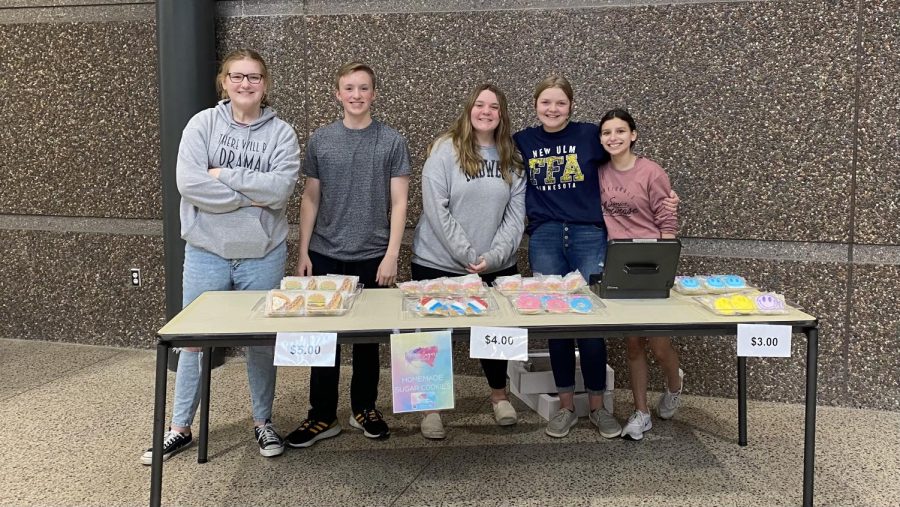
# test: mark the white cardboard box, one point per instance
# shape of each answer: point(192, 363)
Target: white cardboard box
point(548, 404)
point(541, 382)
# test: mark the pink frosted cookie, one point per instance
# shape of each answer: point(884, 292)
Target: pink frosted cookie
point(556, 304)
point(528, 303)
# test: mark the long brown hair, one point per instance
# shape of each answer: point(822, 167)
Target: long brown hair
point(465, 144)
point(243, 54)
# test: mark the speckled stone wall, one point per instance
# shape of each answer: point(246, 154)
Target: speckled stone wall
point(776, 120)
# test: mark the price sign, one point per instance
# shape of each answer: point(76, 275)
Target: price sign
point(305, 349)
point(763, 340)
point(498, 343)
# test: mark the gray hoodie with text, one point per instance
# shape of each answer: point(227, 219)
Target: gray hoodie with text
point(240, 215)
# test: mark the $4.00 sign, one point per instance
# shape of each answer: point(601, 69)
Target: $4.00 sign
point(498, 343)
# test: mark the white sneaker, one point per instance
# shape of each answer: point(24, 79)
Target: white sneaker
point(669, 402)
point(504, 413)
point(638, 423)
point(432, 427)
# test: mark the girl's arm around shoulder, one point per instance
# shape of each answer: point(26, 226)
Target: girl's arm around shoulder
point(658, 190)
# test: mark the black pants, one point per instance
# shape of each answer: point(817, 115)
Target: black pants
point(494, 369)
point(324, 380)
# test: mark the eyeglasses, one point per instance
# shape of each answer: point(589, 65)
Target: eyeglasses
point(237, 77)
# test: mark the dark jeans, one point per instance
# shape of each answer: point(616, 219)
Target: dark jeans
point(556, 248)
point(324, 380)
point(494, 369)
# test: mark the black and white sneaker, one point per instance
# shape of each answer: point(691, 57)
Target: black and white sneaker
point(311, 431)
point(270, 443)
point(371, 423)
point(173, 443)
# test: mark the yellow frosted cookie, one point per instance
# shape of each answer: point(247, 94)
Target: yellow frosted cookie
point(723, 306)
point(742, 303)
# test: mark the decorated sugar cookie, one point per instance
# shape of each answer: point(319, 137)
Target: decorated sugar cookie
point(769, 302)
point(476, 306)
point(556, 304)
point(735, 282)
point(581, 304)
point(742, 303)
point(723, 305)
point(528, 303)
point(715, 282)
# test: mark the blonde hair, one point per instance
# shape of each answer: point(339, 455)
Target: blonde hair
point(554, 81)
point(237, 55)
point(465, 144)
point(349, 68)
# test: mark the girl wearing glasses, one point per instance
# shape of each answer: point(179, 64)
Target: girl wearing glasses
point(237, 166)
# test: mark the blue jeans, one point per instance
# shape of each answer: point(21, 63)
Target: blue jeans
point(557, 248)
point(203, 271)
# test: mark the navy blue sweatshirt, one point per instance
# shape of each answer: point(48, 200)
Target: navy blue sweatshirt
point(561, 169)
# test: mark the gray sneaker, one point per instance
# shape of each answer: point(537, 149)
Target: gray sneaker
point(669, 402)
point(561, 423)
point(606, 423)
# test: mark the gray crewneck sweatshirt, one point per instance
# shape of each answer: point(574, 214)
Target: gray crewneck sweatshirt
point(260, 164)
point(466, 218)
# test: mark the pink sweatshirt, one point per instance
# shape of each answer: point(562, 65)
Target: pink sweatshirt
point(632, 201)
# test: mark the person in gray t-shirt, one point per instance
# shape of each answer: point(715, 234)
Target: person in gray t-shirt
point(352, 218)
point(473, 200)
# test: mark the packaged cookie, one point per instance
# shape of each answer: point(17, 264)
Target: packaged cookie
point(410, 288)
point(295, 282)
point(573, 281)
point(284, 303)
point(553, 283)
point(322, 302)
point(508, 284)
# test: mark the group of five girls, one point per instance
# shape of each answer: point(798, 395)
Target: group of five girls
point(238, 165)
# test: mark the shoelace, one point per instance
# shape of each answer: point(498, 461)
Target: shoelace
point(636, 416)
point(372, 415)
point(561, 415)
point(171, 437)
point(267, 435)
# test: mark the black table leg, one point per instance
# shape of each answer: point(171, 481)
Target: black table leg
point(159, 423)
point(809, 443)
point(205, 369)
point(742, 401)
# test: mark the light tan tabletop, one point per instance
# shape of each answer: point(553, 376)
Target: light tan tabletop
point(234, 313)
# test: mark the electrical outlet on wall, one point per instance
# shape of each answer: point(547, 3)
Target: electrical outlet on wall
point(135, 277)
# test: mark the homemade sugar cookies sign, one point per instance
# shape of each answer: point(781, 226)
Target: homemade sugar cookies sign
point(498, 343)
point(305, 349)
point(763, 340)
point(422, 371)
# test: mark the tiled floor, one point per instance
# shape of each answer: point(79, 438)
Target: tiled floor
point(75, 419)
